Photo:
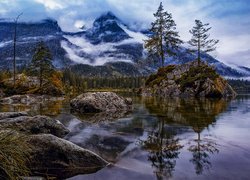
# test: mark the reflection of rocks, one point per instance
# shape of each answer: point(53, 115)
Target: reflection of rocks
point(34, 105)
point(33, 125)
point(61, 158)
point(100, 102)
point(111, 139)
point(28, 99)
point(108, 147)
point(183, 110)
point(102, 116)
point(195, 113)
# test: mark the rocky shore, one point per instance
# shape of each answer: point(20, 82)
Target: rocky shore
point(48, 152)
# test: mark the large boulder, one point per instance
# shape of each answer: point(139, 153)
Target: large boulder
point(32, 125)
point(61, 158)
point(187, 80)
point(47, 154)
point(100, 102)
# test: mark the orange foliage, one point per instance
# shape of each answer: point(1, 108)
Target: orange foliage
point(56, 80)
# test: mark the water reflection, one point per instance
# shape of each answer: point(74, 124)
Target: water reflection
point(162, 144)
point(48, 108)
point(201, 150)
point(163, 150)
point(172, 135)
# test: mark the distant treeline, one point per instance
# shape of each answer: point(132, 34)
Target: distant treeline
point(81, 83)
point(240, 86)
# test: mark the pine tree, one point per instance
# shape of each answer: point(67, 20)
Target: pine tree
point(165, 38)
point(41, 64)
point(200, 39)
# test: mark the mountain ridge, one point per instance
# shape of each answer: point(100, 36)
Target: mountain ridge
point(109, 40)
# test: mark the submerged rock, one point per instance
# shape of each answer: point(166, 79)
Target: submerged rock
point(28, 99)
point(5, 115)
point(61, 158)
point(1, 93)
point(100, 102)
point(32, 125)
point(187, 80)
point(102, 116)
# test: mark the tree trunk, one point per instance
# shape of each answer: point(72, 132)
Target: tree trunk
point(40, 77)
point(162, 53)
point(14, 56)
point(199, 50)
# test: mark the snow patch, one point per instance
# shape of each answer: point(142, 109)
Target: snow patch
point(136, 36)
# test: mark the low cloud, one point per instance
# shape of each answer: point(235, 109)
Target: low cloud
point(229, 18)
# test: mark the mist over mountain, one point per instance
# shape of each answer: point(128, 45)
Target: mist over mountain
point(108, 48)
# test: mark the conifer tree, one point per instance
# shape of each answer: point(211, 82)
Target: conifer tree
point(41, 64)
point(200, 39)
point(165, 39)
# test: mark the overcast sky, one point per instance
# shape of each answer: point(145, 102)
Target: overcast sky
point(230, 19)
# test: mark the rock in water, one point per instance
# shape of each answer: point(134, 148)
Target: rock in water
point(28, 99)
point(187, 80)
point(61, 158)
point(32, 125)
point(5, 115)
point(100, 102)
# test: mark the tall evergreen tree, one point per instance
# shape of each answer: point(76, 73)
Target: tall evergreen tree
point(165, 38)
point(41, 64)
point(200, 39)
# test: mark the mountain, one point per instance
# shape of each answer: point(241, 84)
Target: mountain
point(108, 48)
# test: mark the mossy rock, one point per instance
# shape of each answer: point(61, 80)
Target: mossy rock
point(156, 79)
point(187, 80)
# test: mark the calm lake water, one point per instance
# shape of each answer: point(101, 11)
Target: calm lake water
point(163, 138)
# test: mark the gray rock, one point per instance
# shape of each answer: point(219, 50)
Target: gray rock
point(5, 115)
point(28, 99)
point(32, 125)
point(1, 93)
point(102, 116)
point(100, 102)
point(171, 84)
point(61, 158)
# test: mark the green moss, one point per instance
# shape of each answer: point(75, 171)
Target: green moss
point(200, 73)
point(155, 79)
point(163, 71)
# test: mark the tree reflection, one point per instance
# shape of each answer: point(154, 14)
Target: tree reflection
point(201, 151)
point(163, 150)
point(205, 114)
point(199, 114)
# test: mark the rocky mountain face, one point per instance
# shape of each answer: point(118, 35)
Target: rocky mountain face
point(109, 44)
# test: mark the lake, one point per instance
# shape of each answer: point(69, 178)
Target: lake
point(162, 138)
